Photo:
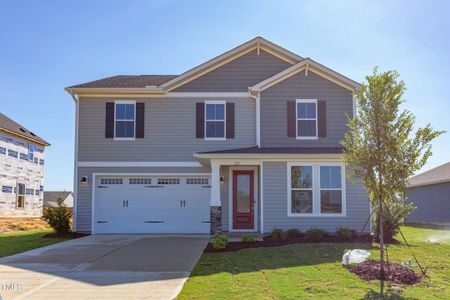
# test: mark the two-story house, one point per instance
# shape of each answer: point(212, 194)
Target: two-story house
point(247, 141)
point(21, 170)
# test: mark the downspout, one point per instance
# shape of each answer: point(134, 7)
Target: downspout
point(75, 162)
point(258, 117)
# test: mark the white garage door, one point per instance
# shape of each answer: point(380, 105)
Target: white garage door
point(155, 204)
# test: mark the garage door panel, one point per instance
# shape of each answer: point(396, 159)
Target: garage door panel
point(166, 205)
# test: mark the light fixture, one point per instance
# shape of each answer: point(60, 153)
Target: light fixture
point(222, 179)
point(84, 179)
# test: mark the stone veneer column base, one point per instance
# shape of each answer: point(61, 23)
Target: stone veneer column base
point(216, 219)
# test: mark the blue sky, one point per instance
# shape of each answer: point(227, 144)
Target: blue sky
point(48, 45)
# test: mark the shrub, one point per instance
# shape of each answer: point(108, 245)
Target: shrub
point(219, 241)
point(293, 233)
point(345, 233)
point(278, 234)
point(58, 218)
point(314, 235)
point(394, 213)
point(248, 238)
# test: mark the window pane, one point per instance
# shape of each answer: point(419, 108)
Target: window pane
point(124, 129)
point(306, 128)
point(330, 177)
point(301, 202)
point(220, 112)
point(215, 129)
point(243, 193)
point(215, 112)
point(306, 110)
point(21, 190)
point(301, 177)
point(331, 201)
point(124, 111)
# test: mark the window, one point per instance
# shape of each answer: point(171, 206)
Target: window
point(36, 160)
point(41, 162)
point(330, 189)
point(20, 203)
point(41, 188)
point(30, 151)
point(2, 150)
point(7, 189)
point(12, 153)
point(301, 189)
point(306, 118)
point(125, 112)
point(316, 189)
point(197, 181)
point(29, 191)
point(168, 181)
point(23, 156)
point(215, 120)
point(36, 192)
point(111, 181)
point(140, 181)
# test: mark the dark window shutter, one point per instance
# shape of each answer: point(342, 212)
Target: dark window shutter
point(291, 119)
point(109, 125)
point(322, 118)
point(230, 120)
point(140, 112)
point(200, 120)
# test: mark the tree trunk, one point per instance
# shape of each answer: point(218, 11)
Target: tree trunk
point(380, 212)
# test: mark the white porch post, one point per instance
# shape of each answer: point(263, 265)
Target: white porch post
point(215, 185)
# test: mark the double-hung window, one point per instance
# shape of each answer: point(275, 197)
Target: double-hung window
point(125, 120)
point(316, 189)
point(215, 120)
point(306, 114)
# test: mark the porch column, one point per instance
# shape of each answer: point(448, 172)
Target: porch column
point(215, 202)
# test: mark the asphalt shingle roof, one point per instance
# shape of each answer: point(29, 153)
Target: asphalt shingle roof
point(126, 81)
point(51, 198)
point(10, 125)
point(437, 175)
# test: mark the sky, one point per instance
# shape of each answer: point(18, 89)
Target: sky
point(48, 45)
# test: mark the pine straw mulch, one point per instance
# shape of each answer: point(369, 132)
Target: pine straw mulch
point(394, 272)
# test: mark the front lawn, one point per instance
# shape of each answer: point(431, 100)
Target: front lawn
point(314, 271)
point(12, 243)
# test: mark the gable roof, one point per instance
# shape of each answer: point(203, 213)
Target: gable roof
point(308, 65)
point(439, 174)
point(160, 84)
point(9, 126)
point(51, 198)
point(126, 81)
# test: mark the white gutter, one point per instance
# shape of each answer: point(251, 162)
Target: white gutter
point(75, 162)
point(258, 116)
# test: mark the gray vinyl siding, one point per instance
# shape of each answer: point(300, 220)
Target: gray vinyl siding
point(275, 204)
point(84, 196)
point(338, 100)
point(169, 131)
point(237, 75)
point(432, 202)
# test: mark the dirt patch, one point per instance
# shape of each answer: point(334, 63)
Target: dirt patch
point(269, 242)
point(22, 224)
point(396, 273)
point(70, 235)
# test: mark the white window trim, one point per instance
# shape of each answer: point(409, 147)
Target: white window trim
point(316, 190)
point(134, 120)
point(297, 101)
point(224, 120)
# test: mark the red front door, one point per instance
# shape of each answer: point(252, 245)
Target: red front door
point(243, 199)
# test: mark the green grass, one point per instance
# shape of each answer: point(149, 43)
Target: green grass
point(12, 243)
point(314, 271)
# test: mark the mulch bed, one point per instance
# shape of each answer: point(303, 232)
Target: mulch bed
point(70, 235)
point(396, 273)
point(269, 242)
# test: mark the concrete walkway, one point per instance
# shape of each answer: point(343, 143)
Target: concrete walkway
point(103, 267)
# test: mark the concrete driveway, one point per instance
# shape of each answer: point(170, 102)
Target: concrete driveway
point(103, 267)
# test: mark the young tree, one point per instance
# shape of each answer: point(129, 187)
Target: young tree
point(381, 149)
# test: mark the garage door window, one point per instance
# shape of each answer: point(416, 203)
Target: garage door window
point(197, 181)
point(111, 181)
point(140, 181)
point(168, 180)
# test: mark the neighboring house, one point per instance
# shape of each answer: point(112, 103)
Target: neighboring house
point(21, 170)
point(51, 199)
point(247, 141)
point(430, 193)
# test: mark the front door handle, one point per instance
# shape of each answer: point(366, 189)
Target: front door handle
point(123, 203)
point(126, 202)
